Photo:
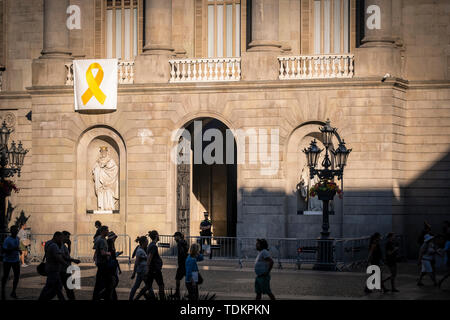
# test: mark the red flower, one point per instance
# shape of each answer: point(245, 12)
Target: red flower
point(6, 186)
point(325, 185)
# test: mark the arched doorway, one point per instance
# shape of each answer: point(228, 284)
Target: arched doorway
point(206, 177)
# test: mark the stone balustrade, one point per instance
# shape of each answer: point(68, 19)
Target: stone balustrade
point(316, 67)
point(205, 70)
point(125, 72)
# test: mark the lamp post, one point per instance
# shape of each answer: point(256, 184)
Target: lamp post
point(11, 162)
point(340, 155)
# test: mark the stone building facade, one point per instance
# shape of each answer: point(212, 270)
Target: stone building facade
point(271, 66)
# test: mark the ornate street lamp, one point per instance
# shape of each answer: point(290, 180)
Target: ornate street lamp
point(312, 154)
point(327, 189)
point(11, 162)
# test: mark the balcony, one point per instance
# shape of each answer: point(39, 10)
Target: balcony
point(205, 70)
point(125, 72)
point(229, 69)
point(316, 67)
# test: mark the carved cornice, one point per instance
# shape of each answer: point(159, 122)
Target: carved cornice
point(217, 87)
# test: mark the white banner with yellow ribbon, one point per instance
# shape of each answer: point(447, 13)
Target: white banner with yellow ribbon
point(95, 84)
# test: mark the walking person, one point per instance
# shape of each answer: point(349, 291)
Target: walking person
point(426, 257)
point(193, 278)
point(154, 266)
point(97, 225)
point(263, 266)
point(426, 230)
point(113, 267)
point(182, 252)
point(101, 260)
point(375, 258)
point(206, 233)
point(446, 259)
point(11, 260)
point(391, 260)
point(53, 266)
point(24, 242)
point(66, 248)
point(140, 265)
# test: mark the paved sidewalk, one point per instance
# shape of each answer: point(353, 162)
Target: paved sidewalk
point(228, 281)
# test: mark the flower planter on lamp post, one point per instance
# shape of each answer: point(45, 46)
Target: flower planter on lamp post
point(11, 162)
point(326, 189)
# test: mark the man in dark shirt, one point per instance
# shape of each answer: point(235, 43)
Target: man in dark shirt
point(11, 253)
point(154, 265)
point(205, 231)
point(66, 247)
point(53, 266)
point(182, 249)
point(97, 224)
point(101, 260)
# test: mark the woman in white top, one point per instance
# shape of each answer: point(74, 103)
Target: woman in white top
point(140, 265)
point(24, 242)
point(427, 254)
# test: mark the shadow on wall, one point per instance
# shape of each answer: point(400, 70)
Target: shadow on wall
point(426, 198)
point(266, 213)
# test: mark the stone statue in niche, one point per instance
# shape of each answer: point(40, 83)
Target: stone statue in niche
point(105, 175)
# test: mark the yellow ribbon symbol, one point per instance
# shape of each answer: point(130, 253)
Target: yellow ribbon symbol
point(94, 85)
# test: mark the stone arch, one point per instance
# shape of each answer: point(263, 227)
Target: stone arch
point(175, 135)
point(88, 141)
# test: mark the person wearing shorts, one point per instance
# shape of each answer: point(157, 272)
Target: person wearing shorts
point(263, 266)
point(427, 254)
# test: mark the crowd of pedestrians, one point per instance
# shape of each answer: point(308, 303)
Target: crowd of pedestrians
point(148, 266)
point(431, 246)
point(148, 263)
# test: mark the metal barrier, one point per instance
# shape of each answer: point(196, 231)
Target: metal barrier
point(83, 247)
point(221, 247)
point(37, 244)
point(282, 250)
point(348, 254)
point(351, 254)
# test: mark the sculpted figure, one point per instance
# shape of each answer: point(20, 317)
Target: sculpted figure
point(105, 175)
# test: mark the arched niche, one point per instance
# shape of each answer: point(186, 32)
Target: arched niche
point(299, 224)
point(87, 153)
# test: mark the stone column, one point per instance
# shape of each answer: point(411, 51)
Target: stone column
point(158, 27)
point(56, 34)
point(158, 43)
point(260, 61)
point(378, 54)
point(49, 69)
point(265, 26)
point(378, 24)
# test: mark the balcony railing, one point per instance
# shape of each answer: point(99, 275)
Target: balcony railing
point(316, 67)
point(125, 72)
point(205, 70)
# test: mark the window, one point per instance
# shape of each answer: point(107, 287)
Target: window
point(224, 28)
point(220, 28)
point(122, 28)
point(331, 24)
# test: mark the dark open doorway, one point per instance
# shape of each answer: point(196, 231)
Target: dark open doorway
point(203, 185)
